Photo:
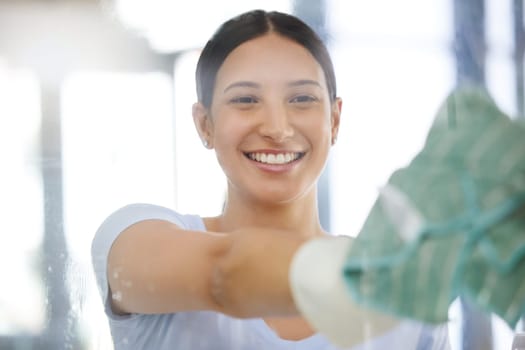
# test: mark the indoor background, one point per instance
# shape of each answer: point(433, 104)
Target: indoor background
point(95, 113)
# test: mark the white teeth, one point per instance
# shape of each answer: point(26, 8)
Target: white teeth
point(281, 158)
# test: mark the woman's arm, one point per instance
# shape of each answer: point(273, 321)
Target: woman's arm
point(156, 267)
point(269, 273)
point(251, 277)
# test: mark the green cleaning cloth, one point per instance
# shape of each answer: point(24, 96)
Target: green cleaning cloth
point(451, 223)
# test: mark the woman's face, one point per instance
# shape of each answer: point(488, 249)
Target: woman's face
point(271, 121)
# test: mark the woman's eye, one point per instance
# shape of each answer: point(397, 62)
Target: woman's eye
point(303, 99)
point(244, 100)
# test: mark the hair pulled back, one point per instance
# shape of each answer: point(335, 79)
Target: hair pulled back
point(251, 25)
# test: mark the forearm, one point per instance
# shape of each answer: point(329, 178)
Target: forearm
point(251, 279)
point(265, 274)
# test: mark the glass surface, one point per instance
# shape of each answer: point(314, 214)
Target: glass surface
point(99, 115)
point(518, 343)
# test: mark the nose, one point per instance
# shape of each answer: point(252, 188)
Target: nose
point(275, 124)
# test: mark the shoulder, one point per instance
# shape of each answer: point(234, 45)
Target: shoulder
point(133, 213)
point(120, 220)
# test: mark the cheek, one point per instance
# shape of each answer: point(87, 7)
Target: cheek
point(229, 134)
point(231, 126)
point(317, 126)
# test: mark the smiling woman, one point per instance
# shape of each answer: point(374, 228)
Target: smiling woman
point(270, 100)
point(268, 106)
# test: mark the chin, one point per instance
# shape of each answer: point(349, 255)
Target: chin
point(275, 196)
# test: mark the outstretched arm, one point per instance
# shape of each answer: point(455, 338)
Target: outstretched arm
point(251, 278)
point(156, 267)
point(281, 274)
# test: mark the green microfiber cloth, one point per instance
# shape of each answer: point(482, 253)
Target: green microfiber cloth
point(451, 223)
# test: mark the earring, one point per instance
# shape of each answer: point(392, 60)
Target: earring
point(334, 140)
point(205, 143)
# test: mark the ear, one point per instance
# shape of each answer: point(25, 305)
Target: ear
point(335, 118)
point(203, 124)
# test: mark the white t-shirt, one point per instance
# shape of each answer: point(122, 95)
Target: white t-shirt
point(207, 330)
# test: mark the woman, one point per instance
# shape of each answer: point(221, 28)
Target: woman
point(267, 105)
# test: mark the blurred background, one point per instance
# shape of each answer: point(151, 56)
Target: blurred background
point(95, 113)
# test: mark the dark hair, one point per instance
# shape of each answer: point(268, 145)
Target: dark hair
point(251, 25)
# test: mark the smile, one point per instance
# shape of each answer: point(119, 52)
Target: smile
point(272, 158)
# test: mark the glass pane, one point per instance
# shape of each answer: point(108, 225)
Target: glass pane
point(117, 150)
point(395, 66)
point(198, 173)
point(22, 296)
point(121, 138)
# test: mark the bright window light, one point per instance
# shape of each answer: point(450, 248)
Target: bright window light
point(200, 182)
point(170, 27)
point(22, 296)
point(392, 80)
point(500, 74)
point(117, 149)
point(117, 146)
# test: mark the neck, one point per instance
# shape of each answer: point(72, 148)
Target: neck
point(299, 215)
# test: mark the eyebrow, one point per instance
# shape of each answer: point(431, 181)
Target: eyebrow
point(250, 84)
point(254, 85)
point(304, 82)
